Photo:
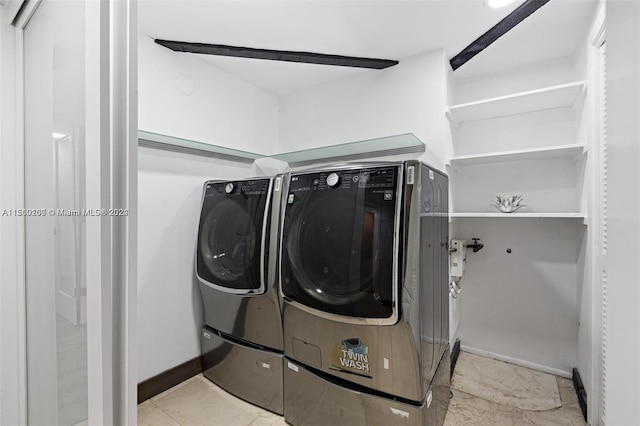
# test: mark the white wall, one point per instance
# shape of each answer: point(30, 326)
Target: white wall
point(546, 185)
point(553, 127)
point(449, 150)
point(521, 305)
point(589, 351)
point(622, 361)
point(181, 95)
point(454, 302)
point(2, 107)
point(507, 81)
point(169, 303)
point(222, 110)
point(407, 98)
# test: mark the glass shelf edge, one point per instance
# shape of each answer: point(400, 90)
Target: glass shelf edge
point(176, 144)
point(401, 144)
point(370, 148)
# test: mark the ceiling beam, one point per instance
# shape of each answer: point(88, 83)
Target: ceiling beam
point(500, 29)
point(276, 55)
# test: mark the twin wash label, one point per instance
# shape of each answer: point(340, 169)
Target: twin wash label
point(352, 356)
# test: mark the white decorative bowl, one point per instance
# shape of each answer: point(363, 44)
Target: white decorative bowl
point(508, 203)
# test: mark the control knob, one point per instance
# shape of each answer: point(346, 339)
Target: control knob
point(333, 180)
point(228, 188)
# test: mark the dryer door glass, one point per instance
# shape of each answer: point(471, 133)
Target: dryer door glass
point(338, 241)
point(231, 234)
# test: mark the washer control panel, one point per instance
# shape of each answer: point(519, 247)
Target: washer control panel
point(345, 179)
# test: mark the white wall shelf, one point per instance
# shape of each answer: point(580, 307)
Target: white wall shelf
point(186, 146)
point(371, 148)
point(558, 215)
point(563, 95)
point(562, 151)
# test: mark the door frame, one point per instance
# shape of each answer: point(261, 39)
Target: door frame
point(111, 183)
point(597, 159)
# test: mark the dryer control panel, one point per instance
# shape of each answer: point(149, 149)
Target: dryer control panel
point(345, 179)
point(247, 187)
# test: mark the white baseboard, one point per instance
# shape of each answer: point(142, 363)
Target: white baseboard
point(516, 361)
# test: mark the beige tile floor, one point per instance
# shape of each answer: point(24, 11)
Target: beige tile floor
point(198, 401)
point(486, 392)
point(71, 342)
point(490, 392)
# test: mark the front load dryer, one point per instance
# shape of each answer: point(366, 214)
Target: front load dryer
point(242, 340)
point(364, 282)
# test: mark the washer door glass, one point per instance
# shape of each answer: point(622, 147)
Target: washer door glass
point(338, 241)
point(230, 235)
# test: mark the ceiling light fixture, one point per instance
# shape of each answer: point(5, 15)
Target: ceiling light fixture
point(498, 3)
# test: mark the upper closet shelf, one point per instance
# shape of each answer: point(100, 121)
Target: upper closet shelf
point(561, 151)
point(174, 144)
point(371, 148)
point(563, 95)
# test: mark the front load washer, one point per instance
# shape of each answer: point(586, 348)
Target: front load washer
point(364, 282)
point(242, 342)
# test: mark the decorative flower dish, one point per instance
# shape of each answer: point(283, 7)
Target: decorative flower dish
point(508, 203)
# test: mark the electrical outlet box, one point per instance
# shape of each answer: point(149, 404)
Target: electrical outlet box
point(458, 258)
